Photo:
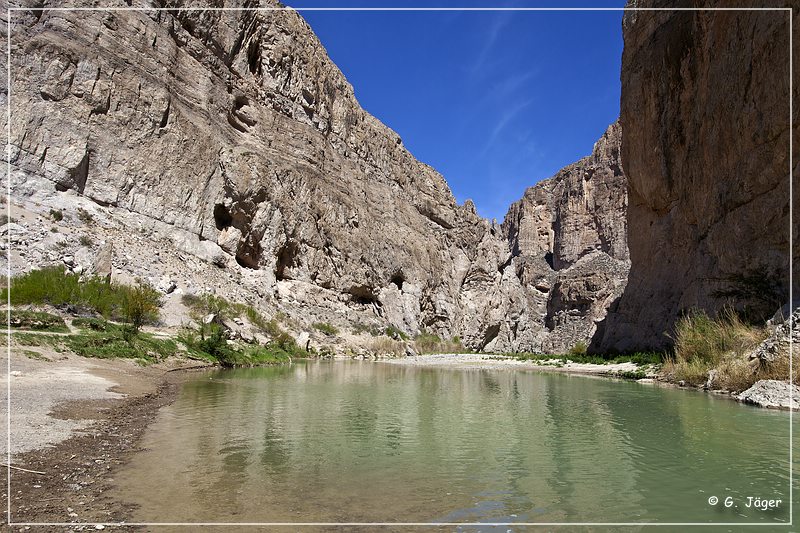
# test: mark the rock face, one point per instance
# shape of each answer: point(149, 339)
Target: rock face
point(234, 137)
point(230, 141)
point(569, 246)
point(776, 347)
point(706, 152)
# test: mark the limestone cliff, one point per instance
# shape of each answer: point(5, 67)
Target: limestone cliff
point(233, 137)
point(568, 239)
point(224, 151)
point(705, 127)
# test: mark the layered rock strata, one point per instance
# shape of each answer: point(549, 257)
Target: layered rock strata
point(568, 239)
point(229, 137)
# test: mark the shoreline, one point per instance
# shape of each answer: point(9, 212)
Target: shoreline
point(78, 470)
point(496, 362)
point(81, 468)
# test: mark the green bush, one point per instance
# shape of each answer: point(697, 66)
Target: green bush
point(140, 305)
point(325, 328)
point(394, 332)
point(57, 215)
point(579, 349)
point(85, 240)
point(54, 286)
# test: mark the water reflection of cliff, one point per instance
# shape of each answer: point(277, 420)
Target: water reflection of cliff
point(372, 442)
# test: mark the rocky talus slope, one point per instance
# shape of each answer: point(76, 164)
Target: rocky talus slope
point(224, 151)
point(705, 126)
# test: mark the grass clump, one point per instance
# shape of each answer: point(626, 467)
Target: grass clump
point(387, 346)
point(698, 337)
point(394, 332)
point(703, 344)
point(84, 216)
point(364, 328)
point(426, 343)
point(325, 328)
point(38, 340)
point(108, 345)
point(37, 321)
point(54, 286)
point(57, 215)
point(96, 324)
point(85, 240)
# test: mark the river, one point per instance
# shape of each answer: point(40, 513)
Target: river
point(374, 442)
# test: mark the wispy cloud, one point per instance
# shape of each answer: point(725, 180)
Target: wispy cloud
point(493, 32)
point(505, 119)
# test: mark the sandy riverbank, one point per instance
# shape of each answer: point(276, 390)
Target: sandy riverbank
point(76, 420)
point(487, 361)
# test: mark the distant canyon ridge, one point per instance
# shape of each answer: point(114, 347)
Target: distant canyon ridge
point(225, 152)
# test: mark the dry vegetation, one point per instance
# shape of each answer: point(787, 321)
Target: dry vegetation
point(720, 347)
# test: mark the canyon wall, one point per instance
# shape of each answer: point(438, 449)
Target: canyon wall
point(236, 134)
point(705, 146)
point(230, 138)
point(568, 240)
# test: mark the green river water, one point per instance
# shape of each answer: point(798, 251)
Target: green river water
point(376, 442)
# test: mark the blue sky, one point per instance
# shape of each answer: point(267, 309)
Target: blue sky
point(495, 101)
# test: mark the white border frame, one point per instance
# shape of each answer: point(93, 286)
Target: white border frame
point(10, 10)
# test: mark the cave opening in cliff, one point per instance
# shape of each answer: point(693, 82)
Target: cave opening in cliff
point(398, 280)
point(254, 57)
point(362, 294)
point(222, 217)
point(287, 258)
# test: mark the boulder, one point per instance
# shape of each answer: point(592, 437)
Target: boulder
point(773, 394)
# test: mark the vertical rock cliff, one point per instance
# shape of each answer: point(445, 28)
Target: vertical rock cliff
point(705, 146)
point(568, 240)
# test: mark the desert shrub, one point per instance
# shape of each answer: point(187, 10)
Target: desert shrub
point(364, 328)
point(426, 342)
point(325, 328)
point(57, 214)
point(578, 349)
point(699, 337)
point(386, 346)
point(57, 287)
point(703, 344)
point(140, 305)
point(84, 216)
point(85, 240)
point(394, 332)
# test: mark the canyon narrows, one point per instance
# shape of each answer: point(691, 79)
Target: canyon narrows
point(230, 141)
point(232, 138)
